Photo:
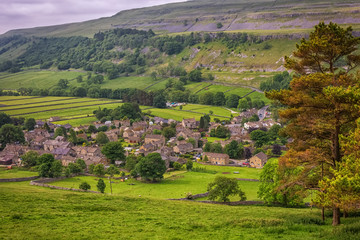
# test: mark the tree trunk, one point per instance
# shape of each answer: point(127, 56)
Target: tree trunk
point(345, 214)
point(336, 216)
point(110, 185)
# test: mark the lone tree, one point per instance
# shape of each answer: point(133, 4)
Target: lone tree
point(112, 170)
point(223, 187)
point(151, 167)
point(320, 105)
point(101, 185)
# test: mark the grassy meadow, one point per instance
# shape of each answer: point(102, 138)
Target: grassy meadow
point(32, 212)
point(16, 173)
point(175, 184)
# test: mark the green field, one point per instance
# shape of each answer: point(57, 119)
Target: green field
point(175, 185)
point(76, 111)
point(31, 212)
point(204, 109)
point(36, 79)
point(16, 173)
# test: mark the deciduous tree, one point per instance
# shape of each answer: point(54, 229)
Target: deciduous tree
point(223, 187)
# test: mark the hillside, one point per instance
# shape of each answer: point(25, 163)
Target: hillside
point(284, 16)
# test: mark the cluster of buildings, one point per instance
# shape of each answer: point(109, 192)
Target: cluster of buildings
point(142, 137)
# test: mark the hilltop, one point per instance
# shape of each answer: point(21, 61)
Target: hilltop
point(274, 16)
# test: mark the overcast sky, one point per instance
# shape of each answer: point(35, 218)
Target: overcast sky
point(15, 14)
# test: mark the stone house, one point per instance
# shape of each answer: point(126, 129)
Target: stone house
point(217, 158)
point(259, 160)
point(183, 148)
point(50, 145)
point(133, 140)
point(190, 123)
point(124, 123)
point(158, 140)
point(54, 119)
point(252, 125)
point(139, 125)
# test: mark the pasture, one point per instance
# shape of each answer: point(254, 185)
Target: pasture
point(76, 111)
point(16, 173)
point(175, 184)
point(36, 79)
point(42, 213)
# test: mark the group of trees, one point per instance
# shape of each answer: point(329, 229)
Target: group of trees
point(321, 113)
point(129, 111)
point(234, 149)
point(272, 136)
point(278, 82)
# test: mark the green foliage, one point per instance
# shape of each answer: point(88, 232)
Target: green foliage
point(4, 119)
point(260, 137)
point(74, 168)
point(195, 75)
point(60, 131)
point(112, 170)
point(131, 162)
point(220, 132)
point(113, 151)
point(219, 25)
point(278, 82)
point(48, 166)
point(151, 167)
point(177, 166)
point(29, 159)
point(234, 150)
point(101, 138)
point(270, 189)
point(169, 132)
point(11, 134)
point(30, 124)
point(232, 101)
point(85, 186)
point(81, 163)
point(99, 170)
point(189, 165)
point(222, 187)
point(101, 186)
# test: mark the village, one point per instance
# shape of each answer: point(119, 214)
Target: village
point(145, 137)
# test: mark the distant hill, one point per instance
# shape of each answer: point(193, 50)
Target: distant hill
point(280, 16)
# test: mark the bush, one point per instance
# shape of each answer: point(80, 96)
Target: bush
point(101, 186)
point(84, 186)
point(177, 166)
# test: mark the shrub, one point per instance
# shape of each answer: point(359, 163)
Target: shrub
point(84, 186)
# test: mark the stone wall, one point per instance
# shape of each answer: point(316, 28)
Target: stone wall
point(18, 179)
point(42, 183)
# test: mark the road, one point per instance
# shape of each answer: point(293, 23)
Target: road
point(262, 111)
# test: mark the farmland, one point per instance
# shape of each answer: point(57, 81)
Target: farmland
point(79, 111)
point(76, 111)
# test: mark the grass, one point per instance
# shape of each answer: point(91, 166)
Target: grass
point(174, 114)
point(213, 139)
point(16, 173)
point(73, 215)
point(36, 79)
point(175, 184)
point(204, 109)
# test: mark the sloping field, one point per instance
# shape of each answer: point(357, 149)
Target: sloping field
point(75, 215)
point(75, 111)
point(36, 79)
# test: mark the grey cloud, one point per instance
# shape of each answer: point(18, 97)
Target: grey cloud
point(32, 13)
